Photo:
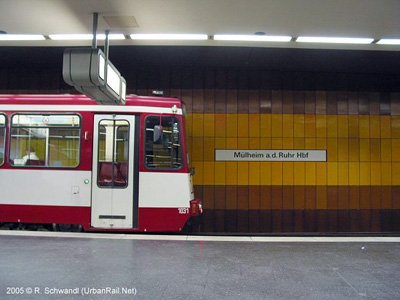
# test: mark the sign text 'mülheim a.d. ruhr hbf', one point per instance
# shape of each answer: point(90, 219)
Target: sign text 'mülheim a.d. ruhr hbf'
point(270, 155)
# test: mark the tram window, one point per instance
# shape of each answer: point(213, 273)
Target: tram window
point(113, 153)
point(2, 137)
point(45, 140)
point(163, 149)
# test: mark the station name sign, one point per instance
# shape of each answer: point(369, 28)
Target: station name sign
point(270, 155)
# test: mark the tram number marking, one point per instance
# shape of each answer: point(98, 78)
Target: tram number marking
point(183, 210)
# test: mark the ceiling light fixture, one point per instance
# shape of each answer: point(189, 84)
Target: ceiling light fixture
point(333, 40)
point(252, 38)
point(389, 42)
point(21, 37)
point(151, 36)
point(84, 37)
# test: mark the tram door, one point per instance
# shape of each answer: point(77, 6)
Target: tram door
point(113, 179)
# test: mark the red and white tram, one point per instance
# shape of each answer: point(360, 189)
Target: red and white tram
point(64, 159)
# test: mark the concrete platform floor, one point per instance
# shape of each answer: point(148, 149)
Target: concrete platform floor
point(42, 265)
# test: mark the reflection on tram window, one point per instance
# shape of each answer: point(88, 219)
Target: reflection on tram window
point(163, 143)
point(45, 140)
point(2, 137)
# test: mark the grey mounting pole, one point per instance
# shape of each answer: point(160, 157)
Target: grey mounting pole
point(95, 20)
point(106, 44)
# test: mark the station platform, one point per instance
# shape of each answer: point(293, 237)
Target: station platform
point(53, 265)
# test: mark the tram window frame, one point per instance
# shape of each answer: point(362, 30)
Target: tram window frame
point(112, 184)
point(58, 127)
point(180, 141)
point(3, 149)
point(185, 133)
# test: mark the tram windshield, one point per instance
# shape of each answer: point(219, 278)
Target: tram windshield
point(163, 145)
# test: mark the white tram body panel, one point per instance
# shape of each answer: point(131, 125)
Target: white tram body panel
point(45, 187)
point(68, 188)
point(163, 190)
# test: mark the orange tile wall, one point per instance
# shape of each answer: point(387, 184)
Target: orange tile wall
point(357, 189)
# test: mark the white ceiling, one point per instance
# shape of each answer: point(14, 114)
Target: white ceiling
point(350, 18)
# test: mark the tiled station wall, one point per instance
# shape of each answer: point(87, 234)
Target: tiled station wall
point(355, 117)
point(357, 189)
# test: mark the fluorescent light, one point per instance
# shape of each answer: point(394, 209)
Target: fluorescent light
point(81, 37)
point(21, 37)
point(333, 40)
point(389, 42)
point(151, 36)
point(113, 36)
point(61, 37)
point(252, 38)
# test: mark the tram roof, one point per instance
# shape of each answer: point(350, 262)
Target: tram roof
point(70, 99)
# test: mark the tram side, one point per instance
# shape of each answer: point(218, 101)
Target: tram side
point(68, 161)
